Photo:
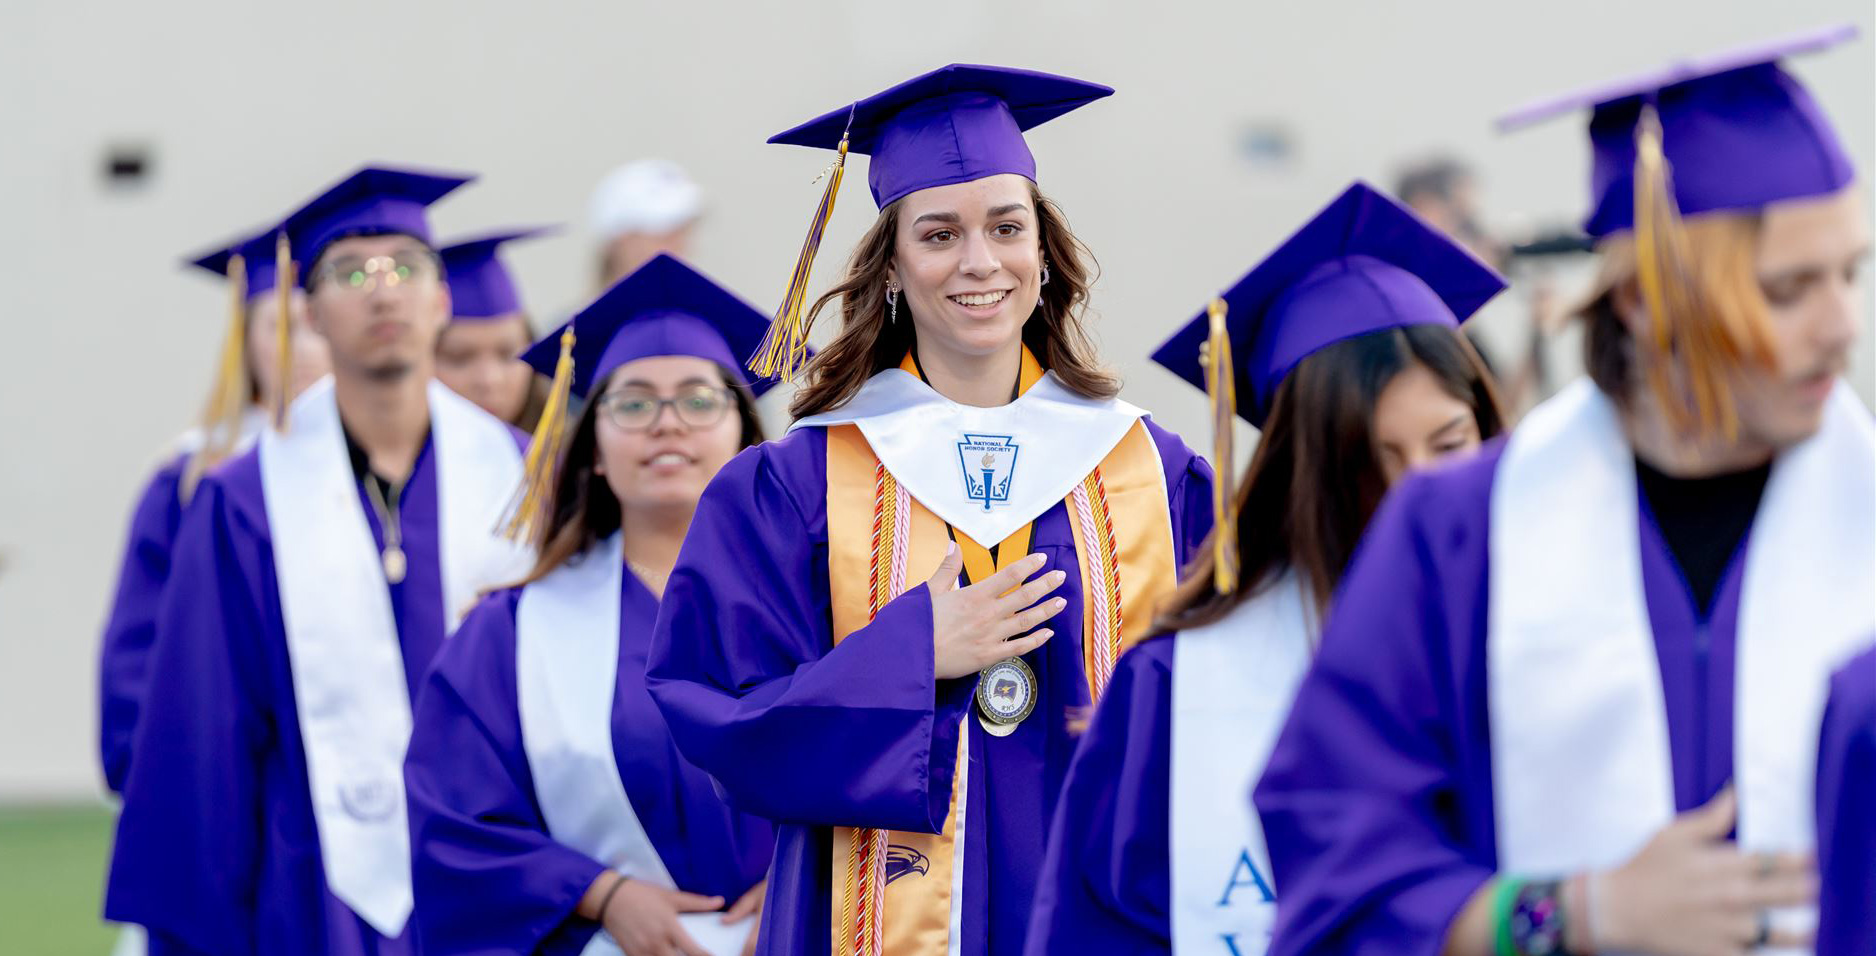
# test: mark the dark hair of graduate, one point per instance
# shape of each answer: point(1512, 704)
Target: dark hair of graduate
point(1316, 479)
point(868, 343)
point(582, 509)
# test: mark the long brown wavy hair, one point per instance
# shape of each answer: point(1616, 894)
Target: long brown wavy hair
point(1316, 477)
point(583, 508)
point(868, 344)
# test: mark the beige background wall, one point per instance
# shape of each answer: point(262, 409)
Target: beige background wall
point(248, 107)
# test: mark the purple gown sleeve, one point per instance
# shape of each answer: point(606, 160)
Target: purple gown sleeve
point(1106, 880)
point(744, 667)
point(124, 652)
point(187, 858)
point(488, 878)
point(1371, 804)
point(1846, 814)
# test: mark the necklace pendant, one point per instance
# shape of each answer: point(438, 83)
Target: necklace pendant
point(395, 564)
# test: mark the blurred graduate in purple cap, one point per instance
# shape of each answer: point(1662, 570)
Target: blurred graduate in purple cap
point(1568, 697)
point(478, 354)
point(264, 364)
point(882, 626)
point(550, 811)
point(1343, 347)
point(312, 581)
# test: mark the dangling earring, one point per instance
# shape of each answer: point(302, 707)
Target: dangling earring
point(892, 304)
point(1045, 273)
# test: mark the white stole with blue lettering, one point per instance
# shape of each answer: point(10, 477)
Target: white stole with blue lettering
point(1582, 770)
point(1233, 682)
point(347, 663)
point(566, 673)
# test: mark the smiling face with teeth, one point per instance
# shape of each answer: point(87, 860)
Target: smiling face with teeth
point(968, 262)
point(668, 464)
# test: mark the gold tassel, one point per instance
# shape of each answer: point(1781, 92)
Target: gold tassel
point(228, 401)
point(784, 349)
point(1682, 327)
point(283, 335)
point(527, 511)
point(1221, 386)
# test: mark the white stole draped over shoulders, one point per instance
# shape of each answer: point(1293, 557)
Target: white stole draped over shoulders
point(1046, 442)
point(567, 631)
point(1582, 769)
point(341, 633)
point(1233, 683)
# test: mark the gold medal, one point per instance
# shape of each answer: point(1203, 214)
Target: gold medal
point(1006, 694)
point(394, 564)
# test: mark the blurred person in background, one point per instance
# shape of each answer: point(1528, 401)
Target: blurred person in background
point(255, 378)
point(478, 354)
point(313, 580)
point(639, 210)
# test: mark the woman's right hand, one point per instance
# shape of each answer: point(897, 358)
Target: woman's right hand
point(642, 919)
point(972, 626)
point(1691, 892)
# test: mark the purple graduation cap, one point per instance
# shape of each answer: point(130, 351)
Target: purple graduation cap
point(953, 125)
point(663, 308)
point(480, 286)
point(375, 200)
point(257, 255)
point(1737, 131)
point(1364, 263)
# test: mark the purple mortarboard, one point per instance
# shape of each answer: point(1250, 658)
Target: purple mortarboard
point(1737, 131)
point(663, 308)
point(1364, 263)
point(479, 285)
point(373, 201)
point(952, 125)
point(257, 256)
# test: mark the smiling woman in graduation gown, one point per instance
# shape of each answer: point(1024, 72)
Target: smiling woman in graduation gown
point(539, 768)
point(958, 422)
point(1346, 345)
point(1547, 664)
point(247, 388)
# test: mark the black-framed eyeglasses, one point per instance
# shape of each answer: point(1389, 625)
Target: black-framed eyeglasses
point(635, 410)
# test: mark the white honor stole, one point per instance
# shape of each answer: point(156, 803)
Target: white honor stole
point(1233, 680)
point(348, 669)
point(567, 628)
point(1582, 774)
point(1035, 450)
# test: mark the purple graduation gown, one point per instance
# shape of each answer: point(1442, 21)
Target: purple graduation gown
point(1377, 801)
point(1107, 881)
point(487, 876)
point(216, 847)
point(813, 736)
point(1846, 813)
point(124, 653)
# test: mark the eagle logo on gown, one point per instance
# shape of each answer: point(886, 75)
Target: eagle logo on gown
point(904, 861)
point(989, 463)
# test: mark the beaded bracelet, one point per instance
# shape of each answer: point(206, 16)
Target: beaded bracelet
point(1537, 919)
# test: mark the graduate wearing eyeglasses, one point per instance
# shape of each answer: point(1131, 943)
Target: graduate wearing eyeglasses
point(550, 810)
point(313, 580)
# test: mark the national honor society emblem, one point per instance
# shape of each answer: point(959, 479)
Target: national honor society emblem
point(989, 463)
point(1006, 693)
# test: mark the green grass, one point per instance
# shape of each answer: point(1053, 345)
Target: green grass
point(52, 862)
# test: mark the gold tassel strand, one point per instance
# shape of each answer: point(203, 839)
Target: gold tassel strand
point(1682, 328)
point(284, 280)
point(1221, 387)
point(221, 420)
point(527, 512)
point(784, 349)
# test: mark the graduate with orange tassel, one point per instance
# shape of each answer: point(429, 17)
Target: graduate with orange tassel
point(1568, 698)
point(883, 625)
point(1351, 363)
